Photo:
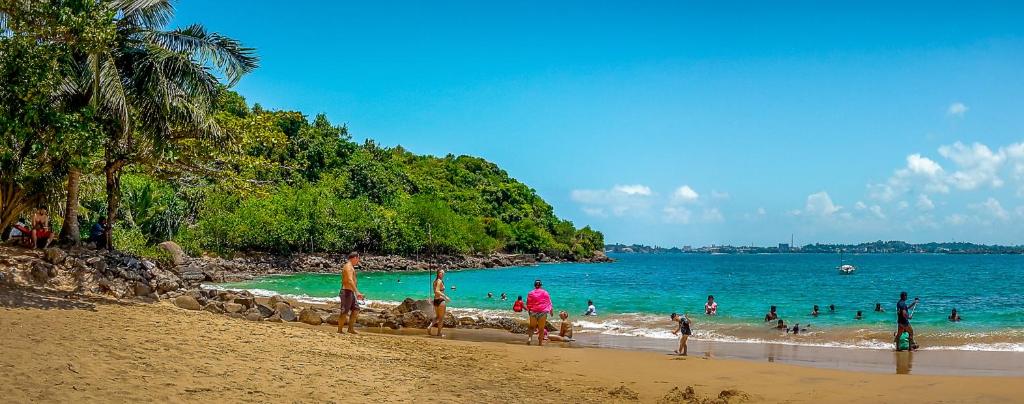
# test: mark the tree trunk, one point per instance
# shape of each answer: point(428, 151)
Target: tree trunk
point(69, 232)
point(13, 201)
point(113, 174)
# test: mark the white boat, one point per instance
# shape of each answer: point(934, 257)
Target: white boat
point(845, 269)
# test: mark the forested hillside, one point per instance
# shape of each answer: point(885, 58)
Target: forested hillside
point(107, 112)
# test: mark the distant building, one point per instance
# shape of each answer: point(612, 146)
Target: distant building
point(784, 247)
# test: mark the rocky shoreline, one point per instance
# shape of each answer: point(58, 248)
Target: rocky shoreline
point(112, 274)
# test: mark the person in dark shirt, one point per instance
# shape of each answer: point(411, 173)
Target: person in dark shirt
point(98, 233)
point(903, 317)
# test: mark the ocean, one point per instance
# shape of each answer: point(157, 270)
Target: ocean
point(635, 295)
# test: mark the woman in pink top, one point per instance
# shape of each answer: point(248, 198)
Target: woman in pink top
point(538, 303)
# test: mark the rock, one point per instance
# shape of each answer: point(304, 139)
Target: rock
point(226, 296)
point(187, 302)
point(332, 318)
point(467, 321)
point(274, 300)
point(40, 272)
point(214, 307)
point(409, 305)
point(310, 316)
point(142, 289)
point(55, 255)
point(284, 311)
point(235, 315)
point(177, 254)
point(265, 311)
point(246, 301)
point(149, 265)
point(274, 318)
point(233, 308)
point(99, 265)
point(253, 315)
point(415, 319)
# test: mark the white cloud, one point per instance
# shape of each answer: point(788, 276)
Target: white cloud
point(924, 202)
point(685, 194)
point(820, 204)
point(677, 214)
point(957, 109)
point(877, 211)
point(712, 215)
point(619, 201)
point(991, 208)
point(762, 211)
point(923, 165)
point(975, 166)
point(978, 165)
point(860, 205)
point(719, 194)
point(633, 189)
point(903, 205)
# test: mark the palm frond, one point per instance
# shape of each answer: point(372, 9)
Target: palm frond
point(227, 54)
point(112, 94)
point(151, 14)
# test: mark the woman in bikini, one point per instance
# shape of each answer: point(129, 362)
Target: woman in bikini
point(440, 303)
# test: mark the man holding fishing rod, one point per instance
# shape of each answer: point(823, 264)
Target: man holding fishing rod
point(903, 315)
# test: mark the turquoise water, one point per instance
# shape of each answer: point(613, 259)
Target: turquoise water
point(635, 294)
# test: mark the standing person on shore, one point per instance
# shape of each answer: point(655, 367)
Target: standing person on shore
point(440, 304)
point(683, 331)
point(538, 303)
point(903, 317)
point(711, 308)
point(349, 294)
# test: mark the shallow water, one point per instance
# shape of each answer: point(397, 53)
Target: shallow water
point(635, 295)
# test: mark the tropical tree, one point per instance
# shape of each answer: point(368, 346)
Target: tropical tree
point(152, 86)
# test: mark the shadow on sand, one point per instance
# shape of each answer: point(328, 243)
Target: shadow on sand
point(21, 298)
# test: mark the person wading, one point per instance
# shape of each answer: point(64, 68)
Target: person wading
point(349, 294)
point(440, 304)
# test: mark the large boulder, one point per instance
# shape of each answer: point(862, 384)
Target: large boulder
point(310, 316)
point(265, 311)
point(187, 302)
point(142, 289)
point(410, 305)
point(214, 307)
point(415, 319)
point(331, 318)
point(177, 254)
point(274, 300)
point(253, 314)
point(284, 312)
point(55, 256)
point(231, 307)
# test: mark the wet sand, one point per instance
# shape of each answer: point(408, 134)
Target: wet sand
point(60, 350)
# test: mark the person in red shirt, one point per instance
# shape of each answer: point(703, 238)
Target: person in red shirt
point(519, 305)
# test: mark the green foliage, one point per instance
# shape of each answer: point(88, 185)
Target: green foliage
point(194, 163)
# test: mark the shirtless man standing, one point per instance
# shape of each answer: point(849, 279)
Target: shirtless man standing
point(349, 294)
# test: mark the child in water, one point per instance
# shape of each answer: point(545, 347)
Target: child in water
point(796, 329)
point(682, 330)
point(954, 316)
point(781, 325)
point(860, 315)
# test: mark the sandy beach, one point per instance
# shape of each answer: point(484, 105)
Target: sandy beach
point(91, 350)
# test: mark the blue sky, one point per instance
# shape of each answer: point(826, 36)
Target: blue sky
point(676, 123)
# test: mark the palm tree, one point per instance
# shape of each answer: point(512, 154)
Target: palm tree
point(152, 86)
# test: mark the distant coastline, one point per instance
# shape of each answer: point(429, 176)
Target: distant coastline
point(876, 247)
